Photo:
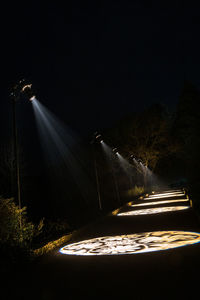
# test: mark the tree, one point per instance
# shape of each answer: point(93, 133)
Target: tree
point(186, 129)
point(145, 135)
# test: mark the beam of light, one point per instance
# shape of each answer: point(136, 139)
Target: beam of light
point(149, 211)
point(132, 243)
point(61, 147)
point(127, 167)
point(164, 196)
point(160, 202)
point(138, 166)
point(110, 157)
point(107, 149)
point(151, 179)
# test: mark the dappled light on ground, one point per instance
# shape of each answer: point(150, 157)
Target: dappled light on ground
point(149, 211)
point(132, 243)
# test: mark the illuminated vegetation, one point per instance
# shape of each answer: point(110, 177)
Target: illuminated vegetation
point(137, 190)
point(13, 239)
point(144, 135)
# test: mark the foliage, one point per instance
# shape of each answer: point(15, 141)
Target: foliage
point(137, 190)
point(187, 126)
point(52, 245)
point(145, 135)
point(10, 231)
point(51, 230)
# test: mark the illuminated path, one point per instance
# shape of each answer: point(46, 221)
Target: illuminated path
point(148, 252)
point(140, 242)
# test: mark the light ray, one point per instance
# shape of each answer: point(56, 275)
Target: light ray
point(60, 145)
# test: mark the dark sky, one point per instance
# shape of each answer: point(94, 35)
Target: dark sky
point(92, 62)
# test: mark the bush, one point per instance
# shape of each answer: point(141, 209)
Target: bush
point(52, 230)
point(10, 232)
point(137, 190)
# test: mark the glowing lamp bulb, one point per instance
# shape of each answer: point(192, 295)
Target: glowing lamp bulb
point(32, 98)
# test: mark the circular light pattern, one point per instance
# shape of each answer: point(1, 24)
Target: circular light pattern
point(148, 211)
point(159, 202)
point(132, 243)
point(164, 196)
point(168, 192)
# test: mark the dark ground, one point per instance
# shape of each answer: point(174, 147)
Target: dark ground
point(170, 274)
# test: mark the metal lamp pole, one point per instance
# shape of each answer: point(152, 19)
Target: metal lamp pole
point(16, 160)
point(16, 92)
point(114, 176)
point(96, 172)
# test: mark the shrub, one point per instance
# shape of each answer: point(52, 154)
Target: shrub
point(137, 190)
point(10, 231)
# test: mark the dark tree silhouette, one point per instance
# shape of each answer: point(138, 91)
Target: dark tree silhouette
point(186, 130)
point(145, 135)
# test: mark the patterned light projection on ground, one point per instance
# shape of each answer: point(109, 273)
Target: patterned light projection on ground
point(164, 196)
point(159, 202)
point(149, 211)
point(169, 191)
point(132, 243)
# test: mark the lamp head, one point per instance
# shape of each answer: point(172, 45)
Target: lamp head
point(22, 89)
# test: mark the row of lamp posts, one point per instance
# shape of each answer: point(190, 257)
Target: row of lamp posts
point(20, 90)
point(97, 138)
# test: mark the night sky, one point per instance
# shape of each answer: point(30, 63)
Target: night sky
point(92, 62)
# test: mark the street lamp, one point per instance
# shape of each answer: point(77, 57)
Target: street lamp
point(96, 139)
point(114, 150)
point(114, 175)
point(17, 92)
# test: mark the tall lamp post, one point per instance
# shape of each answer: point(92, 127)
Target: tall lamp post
point(17, 92)
point(114, 176)
point(94, 140)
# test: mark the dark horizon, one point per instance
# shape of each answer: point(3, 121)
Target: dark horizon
point(93, 63)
